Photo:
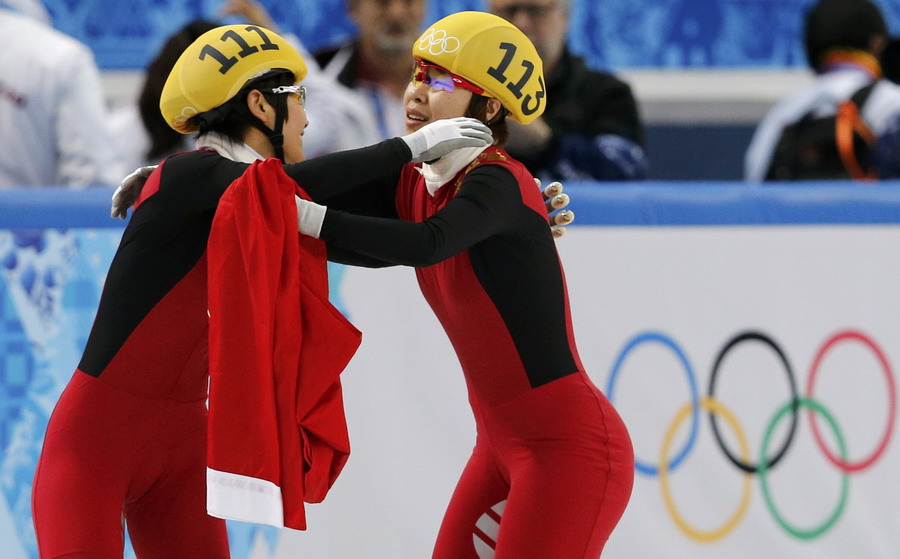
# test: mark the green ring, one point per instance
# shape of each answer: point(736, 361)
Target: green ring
point(845, 486)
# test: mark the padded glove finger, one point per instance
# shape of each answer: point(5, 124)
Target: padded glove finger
point(128, 192)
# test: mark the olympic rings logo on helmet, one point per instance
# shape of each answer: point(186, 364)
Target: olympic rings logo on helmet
point(434, 38)
point(667, 462)
point(187, 113)
point(493, 54)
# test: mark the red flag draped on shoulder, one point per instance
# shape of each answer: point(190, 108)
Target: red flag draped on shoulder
point(277, 431)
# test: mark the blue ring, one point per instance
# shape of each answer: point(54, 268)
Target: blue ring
point(650, 469)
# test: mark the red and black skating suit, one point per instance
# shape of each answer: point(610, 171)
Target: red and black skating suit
point(127, 438)
point(553, 461)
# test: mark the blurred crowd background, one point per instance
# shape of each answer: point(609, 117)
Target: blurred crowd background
point(618, 34)
point(703, 73)
point(694, 93)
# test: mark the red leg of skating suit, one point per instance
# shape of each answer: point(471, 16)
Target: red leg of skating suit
point(110, 455)
point(561, 458)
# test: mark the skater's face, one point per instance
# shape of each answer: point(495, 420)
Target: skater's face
point(294, 127)
point(434, 93)
point(294, 124)
point(431, 95)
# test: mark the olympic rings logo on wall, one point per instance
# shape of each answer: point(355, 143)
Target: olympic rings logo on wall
point(667, 462)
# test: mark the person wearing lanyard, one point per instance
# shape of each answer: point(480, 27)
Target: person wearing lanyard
point(843, 40)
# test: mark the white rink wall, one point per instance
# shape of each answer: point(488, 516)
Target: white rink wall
point(660, 276)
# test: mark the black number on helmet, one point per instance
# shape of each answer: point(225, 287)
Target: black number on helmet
point(526, 110)
point(267, 43)
point(246, 49)
point(516, 88)
point(226, 62)
point(499, 73)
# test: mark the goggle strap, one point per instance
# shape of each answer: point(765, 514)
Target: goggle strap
point(276, 138)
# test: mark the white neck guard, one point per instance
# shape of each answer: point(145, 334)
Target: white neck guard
point(225, 147)
point(438, 173)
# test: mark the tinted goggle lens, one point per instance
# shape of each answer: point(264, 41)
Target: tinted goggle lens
point(444, 82)
point(436, 83)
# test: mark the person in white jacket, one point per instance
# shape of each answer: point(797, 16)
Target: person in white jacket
point(843, 39)
point(53, 130)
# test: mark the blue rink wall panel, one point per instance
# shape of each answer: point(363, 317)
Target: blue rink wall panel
point(604, 204)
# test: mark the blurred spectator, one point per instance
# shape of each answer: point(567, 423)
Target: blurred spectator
point(127, 122)
point(345, 118)
point(887, 150)
point(52, 111)
point(843, 40)
point(591, 129)
point(377, 63)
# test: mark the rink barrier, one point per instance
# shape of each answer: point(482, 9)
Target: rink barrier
point(600, 204)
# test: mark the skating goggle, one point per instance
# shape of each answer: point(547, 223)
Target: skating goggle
point(445, 82)
point(298, 90)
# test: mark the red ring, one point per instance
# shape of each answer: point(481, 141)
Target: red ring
point(846, 465)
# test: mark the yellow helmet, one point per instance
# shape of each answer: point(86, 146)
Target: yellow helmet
point(217, 65)
point(493, 54)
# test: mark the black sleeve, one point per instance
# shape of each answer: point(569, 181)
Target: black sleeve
point(375, 167)
point(376, 198)
point(352, 258)
point(361, 180)
point(487, 203)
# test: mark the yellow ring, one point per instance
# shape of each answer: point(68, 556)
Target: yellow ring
point(712, 406)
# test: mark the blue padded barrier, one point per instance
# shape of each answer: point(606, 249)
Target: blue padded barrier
point(733, 203)
point(56, 208)
point(604, 204)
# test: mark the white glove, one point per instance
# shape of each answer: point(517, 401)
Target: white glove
point(129, 191)
point(554, 199)
point(309, 217)
point(439, 138)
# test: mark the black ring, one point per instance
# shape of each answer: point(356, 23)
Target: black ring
point(759, 337)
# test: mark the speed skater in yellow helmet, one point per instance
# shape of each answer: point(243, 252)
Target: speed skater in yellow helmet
point(212, 76)
point(491, 53)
